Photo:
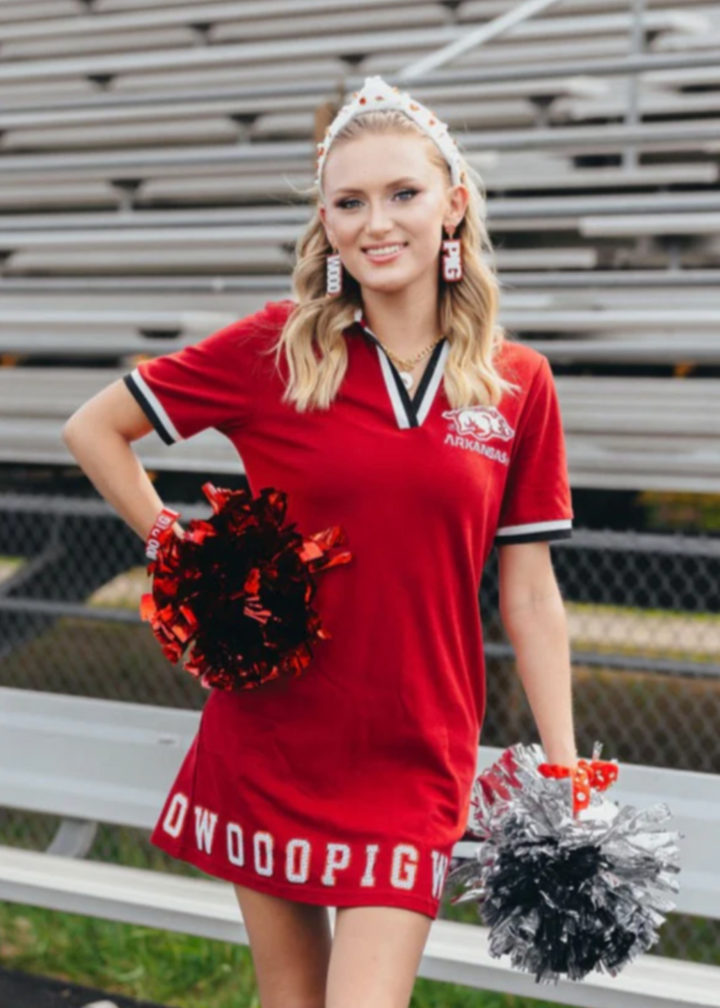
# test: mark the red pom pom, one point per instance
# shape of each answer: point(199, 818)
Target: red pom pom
point(237, 588)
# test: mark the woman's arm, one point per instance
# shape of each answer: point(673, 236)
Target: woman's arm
point(98, 435)
point(533, 615)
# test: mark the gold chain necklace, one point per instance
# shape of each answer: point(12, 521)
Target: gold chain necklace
point(405, 365)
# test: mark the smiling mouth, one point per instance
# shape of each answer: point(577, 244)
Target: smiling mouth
point(385, 251)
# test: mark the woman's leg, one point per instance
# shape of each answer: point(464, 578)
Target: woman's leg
point(290, 944)
point(375, 956)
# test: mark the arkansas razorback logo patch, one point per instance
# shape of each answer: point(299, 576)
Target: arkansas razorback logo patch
point(470, 427)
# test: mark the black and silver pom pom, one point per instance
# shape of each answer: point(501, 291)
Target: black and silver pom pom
point(561, 894)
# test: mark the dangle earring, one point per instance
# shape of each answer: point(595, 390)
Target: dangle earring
point(333, 274)
point(452, 265)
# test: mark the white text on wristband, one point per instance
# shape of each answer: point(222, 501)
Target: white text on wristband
point(164, 519)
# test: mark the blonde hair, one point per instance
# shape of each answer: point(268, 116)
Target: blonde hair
point(468, 308)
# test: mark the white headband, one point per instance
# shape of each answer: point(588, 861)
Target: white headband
point(377, 94)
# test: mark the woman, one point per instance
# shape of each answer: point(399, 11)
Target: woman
point(385, 400)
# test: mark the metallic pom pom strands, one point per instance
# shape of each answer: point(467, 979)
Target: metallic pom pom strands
point(564, 894)
point(238, 589)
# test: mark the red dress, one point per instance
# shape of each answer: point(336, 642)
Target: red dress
point(350, 785)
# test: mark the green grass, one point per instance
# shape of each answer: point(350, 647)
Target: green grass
point(174, 969)
point(179, 970)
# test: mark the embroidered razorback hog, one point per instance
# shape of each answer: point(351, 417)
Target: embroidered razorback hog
point(480, 422)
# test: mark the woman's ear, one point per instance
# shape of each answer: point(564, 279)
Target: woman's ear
point(458, 203)
point(323, 217)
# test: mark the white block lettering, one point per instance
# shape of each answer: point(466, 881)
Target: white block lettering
point(263, 842)
point(440, 866)
point(368, 878)
point(337, 858)
point(205, 822)
point(297, 868)
point(403, 875)
point(235, 845)
point(175, 816)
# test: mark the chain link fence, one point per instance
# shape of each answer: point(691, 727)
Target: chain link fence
point(642, 615)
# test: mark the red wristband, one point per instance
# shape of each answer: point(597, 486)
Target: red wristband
point(164, 520)
point(586, 774)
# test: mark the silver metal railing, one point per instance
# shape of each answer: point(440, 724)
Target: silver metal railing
point(500, 25)
point(492, 29)
point(632, 110)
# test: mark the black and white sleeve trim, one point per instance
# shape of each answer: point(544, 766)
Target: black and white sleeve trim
point(152, 407)
point(561, 528)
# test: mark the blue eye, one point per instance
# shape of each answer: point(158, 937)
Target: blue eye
point(345, 204)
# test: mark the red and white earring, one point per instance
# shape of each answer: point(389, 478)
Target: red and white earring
point(452, 264)
point(333, 274)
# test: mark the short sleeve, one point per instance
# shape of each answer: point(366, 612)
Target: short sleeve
point(537, 501)
point(208, 384)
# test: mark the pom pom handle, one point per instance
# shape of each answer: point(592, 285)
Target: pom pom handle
point(585, 775)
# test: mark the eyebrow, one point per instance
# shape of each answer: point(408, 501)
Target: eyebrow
point(390, 185)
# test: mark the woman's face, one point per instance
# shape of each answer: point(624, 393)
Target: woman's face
point(385, 204)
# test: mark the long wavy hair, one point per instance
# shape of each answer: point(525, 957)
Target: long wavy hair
point(312, 341)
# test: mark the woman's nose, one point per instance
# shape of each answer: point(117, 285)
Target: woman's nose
point(379, 221)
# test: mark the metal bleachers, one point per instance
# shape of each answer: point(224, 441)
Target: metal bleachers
point(629, 433)
point(153, 158)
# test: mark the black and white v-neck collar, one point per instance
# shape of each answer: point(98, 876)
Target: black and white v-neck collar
point(409, 412)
